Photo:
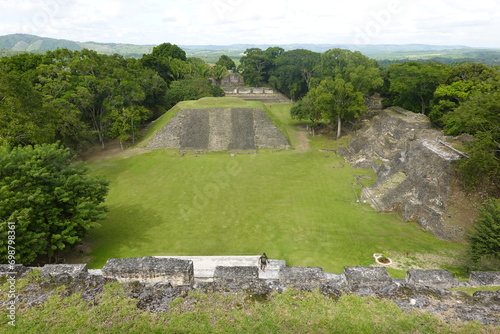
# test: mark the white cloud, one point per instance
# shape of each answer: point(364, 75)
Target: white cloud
point(257, 21)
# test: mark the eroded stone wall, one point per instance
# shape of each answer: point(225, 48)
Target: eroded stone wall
point(156, 282)
point(415, 169)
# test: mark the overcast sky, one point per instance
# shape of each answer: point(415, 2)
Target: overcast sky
point(222, 22)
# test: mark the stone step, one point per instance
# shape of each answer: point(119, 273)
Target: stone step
point(272, 269)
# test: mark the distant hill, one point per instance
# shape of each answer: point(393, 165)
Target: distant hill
point(386, 53)
point(30, 43)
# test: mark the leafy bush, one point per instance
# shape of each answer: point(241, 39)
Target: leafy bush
point(485, 238)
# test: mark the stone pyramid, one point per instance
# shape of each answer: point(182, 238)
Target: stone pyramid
point(219, 129)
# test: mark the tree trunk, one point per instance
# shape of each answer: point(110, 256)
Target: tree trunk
point(422, 103)
point(339, 126)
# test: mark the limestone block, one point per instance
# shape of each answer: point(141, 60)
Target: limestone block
point(258, 90)
point(19, 270)
point(73, 270)
point(483, 278)
point(235, 274)
point(337, 280)
point(243, 90)
point(304, 278)
point(366, 276)
point(432, 278)
point(151, 270)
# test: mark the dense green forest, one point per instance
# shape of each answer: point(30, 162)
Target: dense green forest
point(82, 97)
point(79, 98)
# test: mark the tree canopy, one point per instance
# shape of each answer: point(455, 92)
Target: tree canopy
point(480, 117)
point(227, 62)
point(412, 84)
point(362, 72)
point(51, 202)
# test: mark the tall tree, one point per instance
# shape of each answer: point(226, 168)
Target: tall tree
point(293, 71)
point(256, 66)
point(227, 62)
point(126, 121)
point(362, 72)
point(51, 202)
point(167, 50)
point(337, 101)
point(306, 109)
point(253, 67)
point(412, 84)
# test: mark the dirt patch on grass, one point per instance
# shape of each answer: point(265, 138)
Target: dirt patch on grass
point(303, 145)
point(404, 261)
point(112, 149)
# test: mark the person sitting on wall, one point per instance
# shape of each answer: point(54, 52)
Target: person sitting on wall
point(263, 261)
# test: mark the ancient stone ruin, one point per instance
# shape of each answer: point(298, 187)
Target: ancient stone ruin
point(234, 86)
point(232, 80)
point(414, 167)
point(219, 130)
point(156, 281)
point(261, 94)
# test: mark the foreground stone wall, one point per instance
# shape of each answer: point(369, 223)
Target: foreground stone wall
point(150, 270)
point(178, 272)
point(156, 282)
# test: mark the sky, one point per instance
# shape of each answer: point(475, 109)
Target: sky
point(275, 22)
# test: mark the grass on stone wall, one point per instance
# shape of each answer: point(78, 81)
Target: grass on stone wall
point(289, 312)
point(299, 206)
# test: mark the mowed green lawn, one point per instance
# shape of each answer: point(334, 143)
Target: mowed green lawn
point(297, 206)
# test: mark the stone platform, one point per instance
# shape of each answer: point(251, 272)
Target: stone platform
point(204, 266)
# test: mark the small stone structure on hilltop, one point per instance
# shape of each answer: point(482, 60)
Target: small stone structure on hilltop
point(261, 94)
point(232, 80)
point(234, 86)
point(219, 129)
point(414, 167)
point(157, 281)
